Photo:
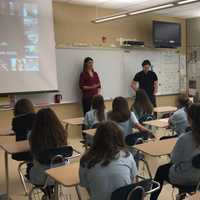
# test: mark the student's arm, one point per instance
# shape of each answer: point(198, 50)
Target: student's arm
point(83, 178)
point(155, 87)
point(139, 126)
point(133, 168)
point(134, 86)
point(83, 86)
point(155, 79)
point(98, 84)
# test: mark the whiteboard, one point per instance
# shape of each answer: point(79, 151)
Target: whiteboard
point(116, 69)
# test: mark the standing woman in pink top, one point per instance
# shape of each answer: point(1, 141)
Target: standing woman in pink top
point(89, 84)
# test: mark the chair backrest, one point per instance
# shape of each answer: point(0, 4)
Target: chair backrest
point(46, 157)
point(128, 191)
point(136, 138)
point(137, 193)
point(196, 161)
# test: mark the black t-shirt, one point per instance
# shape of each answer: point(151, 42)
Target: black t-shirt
point(146, 81)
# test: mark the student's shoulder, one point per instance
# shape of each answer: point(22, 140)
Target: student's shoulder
point(186, 137)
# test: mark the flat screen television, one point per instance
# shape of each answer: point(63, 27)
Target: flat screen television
point(166, 34)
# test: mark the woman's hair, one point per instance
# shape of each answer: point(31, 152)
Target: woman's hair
point(142, 102)
point(23, 106)
point(194, 117)
point(86, 60)
point(120, 110)
point(108, 142)
point(99, 106)
point(183, 101)
point(47, 132)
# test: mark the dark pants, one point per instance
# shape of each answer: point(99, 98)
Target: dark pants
point(153, 99)
point(162, 174)
point(86, 103)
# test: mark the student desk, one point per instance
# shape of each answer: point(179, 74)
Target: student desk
point(157, 148)
point(194, 197)
point(159, 123)
point(6, 132)
point(165, 109)
point(18, 147)
point(90, 132)
point(74, 121)
point(78, 121)
point(12, 148)
point(67, 176)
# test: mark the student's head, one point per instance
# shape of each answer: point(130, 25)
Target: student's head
point(23, 106)
point(99, 106)
point(108, 141)
point(47, 132)
point(183, 101)
point(120, 110)
point(88, 64)
point(143, 102)
point(146, 64)
point(194, 120)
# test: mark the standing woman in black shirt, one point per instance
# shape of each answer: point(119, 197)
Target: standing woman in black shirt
point(147, 80)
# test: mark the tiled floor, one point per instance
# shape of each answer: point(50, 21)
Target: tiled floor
point(17, 189)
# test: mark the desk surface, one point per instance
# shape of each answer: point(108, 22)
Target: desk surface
point(164, 109)
point(6, 132)
point(74, 121)
point(67, 175)
point(157, 148)
point(16, 147)
point(90, 132)
point(194, 197)
point(160, 123)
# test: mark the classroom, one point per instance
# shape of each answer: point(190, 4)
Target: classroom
point(99, 100)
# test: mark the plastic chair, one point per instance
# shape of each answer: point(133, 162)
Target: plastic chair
point(135, 191)
point(48, 158)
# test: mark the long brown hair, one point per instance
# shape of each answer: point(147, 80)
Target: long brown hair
point(143, 102)
point(120, 110)
point(194, 117)
point(85, 63)
point(23, 106)
point(108, 142)
point(99, 106)
point(47, 132)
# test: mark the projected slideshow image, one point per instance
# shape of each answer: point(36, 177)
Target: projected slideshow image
point(19, 42)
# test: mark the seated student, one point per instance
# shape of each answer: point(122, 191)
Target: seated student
point(107, 165)
point(47, 133)
point(96, 114)
point(178, 121)
point(142, 106)
point(180, 171)
point(125, 119)
point(24, 116)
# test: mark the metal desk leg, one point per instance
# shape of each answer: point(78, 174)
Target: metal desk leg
point(78, 192)
point(56, 191)
point(7, 175)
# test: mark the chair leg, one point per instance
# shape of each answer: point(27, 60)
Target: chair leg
point(148, 169)
point(22, 179)
point(78, 192)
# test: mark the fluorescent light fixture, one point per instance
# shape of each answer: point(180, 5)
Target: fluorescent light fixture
point(99, 20)
point(185, 2)
point(151, 9)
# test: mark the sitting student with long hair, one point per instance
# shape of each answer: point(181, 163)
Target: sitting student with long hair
point(142, 106)
point(96, 114)
point(178, 121)
point(127, 120)
point(181, 171)
point(47, 133)
point(107, 165)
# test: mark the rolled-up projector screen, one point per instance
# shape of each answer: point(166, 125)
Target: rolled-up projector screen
point(27, 46)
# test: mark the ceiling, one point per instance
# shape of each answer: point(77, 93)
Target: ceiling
point(186, 11)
